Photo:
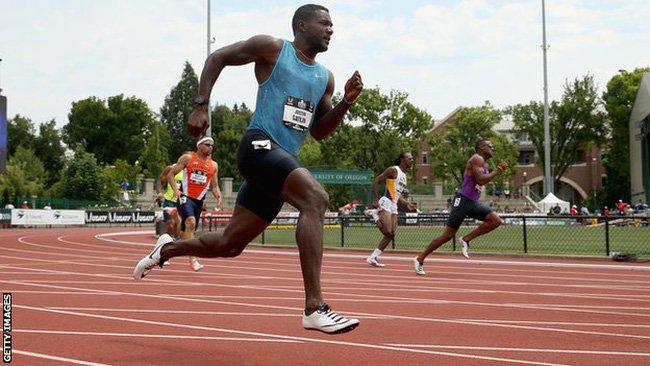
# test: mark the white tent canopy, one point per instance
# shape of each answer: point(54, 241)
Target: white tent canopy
point(551, 201)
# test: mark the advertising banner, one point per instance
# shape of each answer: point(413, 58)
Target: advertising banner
point(47, 217)
point(5, 216)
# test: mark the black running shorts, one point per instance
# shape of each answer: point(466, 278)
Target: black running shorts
point(265, 166)
point(462, 207)
point(188, 207)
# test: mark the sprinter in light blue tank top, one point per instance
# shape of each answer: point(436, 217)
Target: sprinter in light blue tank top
point(294, 99)
point(285, 110)
point(466, 204)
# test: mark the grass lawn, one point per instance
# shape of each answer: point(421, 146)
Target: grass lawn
point(568, 240)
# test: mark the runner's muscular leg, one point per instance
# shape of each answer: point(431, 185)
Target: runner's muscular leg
point(447, 234)
point(491, 222)
point(302, 191)
point(385, 224)
point(190, 225)
point(242, 229)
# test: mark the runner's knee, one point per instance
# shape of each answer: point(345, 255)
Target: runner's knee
point(234, 251)
point(493, 221)
point(190, 224)
point(316, 200)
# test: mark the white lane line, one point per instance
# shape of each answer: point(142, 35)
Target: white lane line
point(384, 298)
point(134, 335)
point(157, 311)
point(100, 245)
point(56, 358)
point(618, 282)
point(107, 251)
point(477, 322)
point(359, 281)
point(510, 349)
point(106, 237)
point(287, 337)
point(409, 259)
point(581, 324)
point(378, 297)
point(586, 306)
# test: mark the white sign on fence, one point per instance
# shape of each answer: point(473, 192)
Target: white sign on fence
point(47, 217)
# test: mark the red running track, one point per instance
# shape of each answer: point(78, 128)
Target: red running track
point(75, 302)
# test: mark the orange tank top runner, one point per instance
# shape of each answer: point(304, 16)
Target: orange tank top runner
point(196, 177)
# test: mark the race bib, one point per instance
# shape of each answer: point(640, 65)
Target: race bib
point(297, 113)
point(198, 177)
point(478, 188)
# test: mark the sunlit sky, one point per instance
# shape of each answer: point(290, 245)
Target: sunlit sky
point(444, 54)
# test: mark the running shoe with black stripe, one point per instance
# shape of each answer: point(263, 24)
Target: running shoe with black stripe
point(146, 264)
point(327, 321)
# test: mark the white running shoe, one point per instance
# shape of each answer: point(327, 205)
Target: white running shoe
point(464, 248)
point(167, 263)
point(327, 321)
point(146, 264)
point(418, 267)
point(374, 213)
point(373, 262)
point(195, 265)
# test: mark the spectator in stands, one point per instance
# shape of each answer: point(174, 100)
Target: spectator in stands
point(584, 210)
point(47, 206)
point(349, 208)
point(9, 206)
point(557, 209)
point(640, 206)
point(621, 206)
point(24, 206)
point(606, 211)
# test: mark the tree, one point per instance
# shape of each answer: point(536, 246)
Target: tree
point(24, 175)
point(454, 144)
point(83, 178)
point(155, 156)
point(30, 164)
point(20, 132)
point(390, 124)
point(225, 153)
point(114, 175)
point(123, 122)
point(619, 99)
point(377, 128)
point(178, 106)
point(228, 127)
point(576, 122)
point(236, 119)
point(50, 151)
point(14, 183)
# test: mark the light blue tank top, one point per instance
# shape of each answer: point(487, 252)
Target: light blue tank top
point(287, 100)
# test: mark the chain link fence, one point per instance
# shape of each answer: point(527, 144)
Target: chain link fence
point(523, 234)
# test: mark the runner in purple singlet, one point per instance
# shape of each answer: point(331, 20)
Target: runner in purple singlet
point(466, 204)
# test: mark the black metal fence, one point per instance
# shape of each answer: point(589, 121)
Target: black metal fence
point(527, 234)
